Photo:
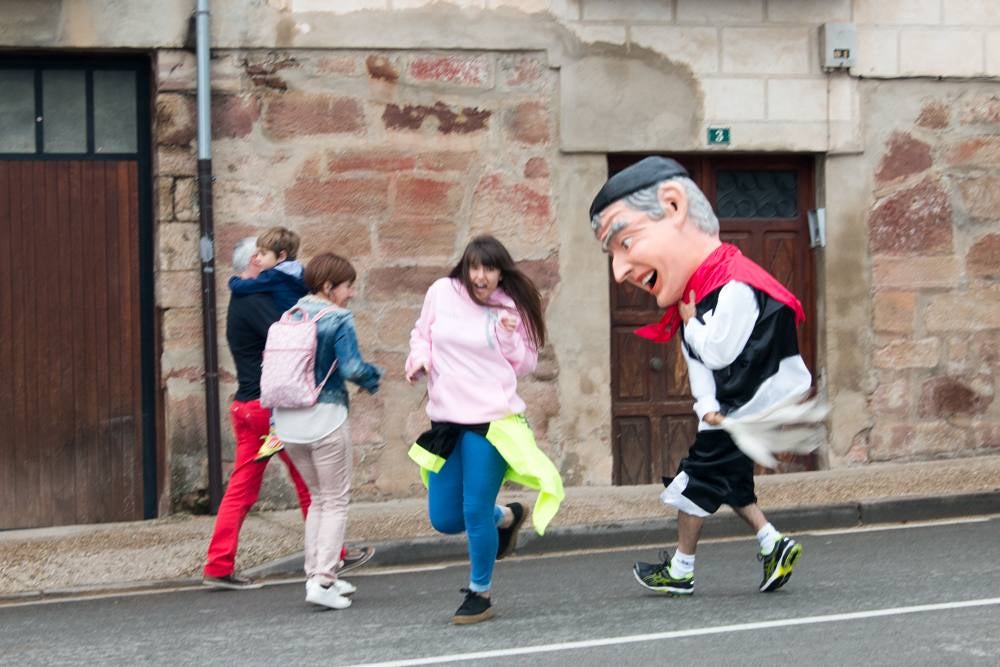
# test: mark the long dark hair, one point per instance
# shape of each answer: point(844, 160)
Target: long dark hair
point(487, 252)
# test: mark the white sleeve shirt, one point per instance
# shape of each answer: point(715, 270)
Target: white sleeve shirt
point(702, 388)
point(726, 328)
point(720, 340)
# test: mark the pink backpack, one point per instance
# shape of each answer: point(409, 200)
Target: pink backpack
point(288, 374)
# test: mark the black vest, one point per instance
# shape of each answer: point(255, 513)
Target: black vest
point(772, 339)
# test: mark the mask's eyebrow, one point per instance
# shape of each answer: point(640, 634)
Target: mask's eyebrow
point(613, 230)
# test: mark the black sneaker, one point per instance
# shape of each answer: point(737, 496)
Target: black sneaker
point(474, 609)
point(778, 564)
point(355, 558)
point(232, 582)
point(508, 535)
point(657, 577)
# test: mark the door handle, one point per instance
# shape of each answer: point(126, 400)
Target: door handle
point(656, 364)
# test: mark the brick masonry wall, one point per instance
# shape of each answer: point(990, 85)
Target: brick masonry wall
point(935, 272)
point(396, 157)
point(393, 160)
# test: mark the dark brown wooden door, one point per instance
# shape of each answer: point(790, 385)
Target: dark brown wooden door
point(762, 205)
point(76, 309)
point(652, 403)
point(70, 402)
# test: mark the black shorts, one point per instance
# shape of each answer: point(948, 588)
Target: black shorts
point(718, 473)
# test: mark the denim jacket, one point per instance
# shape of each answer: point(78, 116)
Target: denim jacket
point(337, 340)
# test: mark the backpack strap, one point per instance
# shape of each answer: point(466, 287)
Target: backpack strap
point(287, 316)
point(326, 311)
point(319, 387)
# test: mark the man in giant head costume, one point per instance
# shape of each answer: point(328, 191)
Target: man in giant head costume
point(737, 328)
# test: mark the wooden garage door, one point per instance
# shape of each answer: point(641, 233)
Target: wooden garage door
point(762, 205)
point(71, 318)
point(70, 311)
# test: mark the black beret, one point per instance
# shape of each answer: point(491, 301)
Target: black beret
point(642, 174)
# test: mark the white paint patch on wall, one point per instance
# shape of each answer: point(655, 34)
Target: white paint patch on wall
point(765, 50)
point(878, 52)
point(734, 99)
point(797, 99)
point(941, 53)
point(697, 47)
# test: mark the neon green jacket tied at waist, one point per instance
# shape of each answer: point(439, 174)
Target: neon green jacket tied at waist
point(527, 465)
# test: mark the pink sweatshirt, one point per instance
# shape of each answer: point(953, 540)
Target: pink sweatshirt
point(474, 361)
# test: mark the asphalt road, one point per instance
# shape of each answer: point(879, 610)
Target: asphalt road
point(911, 595)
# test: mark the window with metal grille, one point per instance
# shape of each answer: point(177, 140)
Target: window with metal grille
point(756, 194)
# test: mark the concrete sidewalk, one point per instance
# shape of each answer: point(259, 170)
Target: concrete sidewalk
point(170, 551)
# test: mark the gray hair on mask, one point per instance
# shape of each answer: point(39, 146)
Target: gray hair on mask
point(647, 201)
point(243, 253)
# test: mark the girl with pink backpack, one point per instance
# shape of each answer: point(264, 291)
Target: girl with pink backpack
point(313, 422)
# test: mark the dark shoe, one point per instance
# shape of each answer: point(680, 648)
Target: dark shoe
point(657, 577)
point(474, 609)
point(232, 582)
point(355, 558)
point(508, 535)
point(778, 564)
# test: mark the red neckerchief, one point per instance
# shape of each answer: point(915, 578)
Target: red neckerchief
point(725, 264)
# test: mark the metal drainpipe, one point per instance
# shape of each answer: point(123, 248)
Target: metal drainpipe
point(207, 248)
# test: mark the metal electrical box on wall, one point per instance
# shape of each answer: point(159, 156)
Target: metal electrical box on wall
point(838, 45)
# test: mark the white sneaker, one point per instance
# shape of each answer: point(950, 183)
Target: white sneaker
point(344, 587)
point(326, 597)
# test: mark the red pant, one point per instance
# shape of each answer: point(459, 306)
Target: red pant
point(251, 422)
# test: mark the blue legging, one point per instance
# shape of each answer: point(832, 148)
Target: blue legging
point(462, 496)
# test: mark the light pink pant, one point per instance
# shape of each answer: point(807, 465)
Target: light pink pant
point(327, 467)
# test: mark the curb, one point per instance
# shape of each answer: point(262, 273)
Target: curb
point(99, 589)
point(645, 532)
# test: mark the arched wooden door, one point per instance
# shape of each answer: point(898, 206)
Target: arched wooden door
point(762, 204)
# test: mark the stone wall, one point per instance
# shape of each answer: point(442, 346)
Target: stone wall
point(392, 130)
point(935, 271)
point(391, 159)
point(395, 157)
point(756, 61)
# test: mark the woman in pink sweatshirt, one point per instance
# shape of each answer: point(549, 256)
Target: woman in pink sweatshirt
point(479, 330)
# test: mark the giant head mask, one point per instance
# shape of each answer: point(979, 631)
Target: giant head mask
point(656, 225)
